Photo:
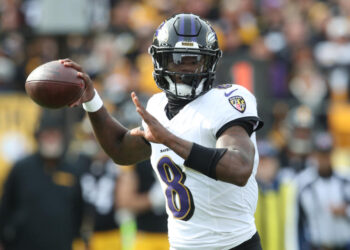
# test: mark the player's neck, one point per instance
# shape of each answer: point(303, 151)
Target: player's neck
point(174, 106)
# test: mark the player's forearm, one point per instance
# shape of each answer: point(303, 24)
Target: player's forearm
point(178, 145)
point(114, 139)
point(108, 132)
point(234, 167)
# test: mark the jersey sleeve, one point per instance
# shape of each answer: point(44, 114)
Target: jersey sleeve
point(234, 105)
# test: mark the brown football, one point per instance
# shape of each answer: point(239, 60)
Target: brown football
point(53, 85)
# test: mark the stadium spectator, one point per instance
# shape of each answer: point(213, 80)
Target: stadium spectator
point(324, 208)
point(276, 199)
point(298, 126)
point(140, 193)
point(98, 178)
point(41, 207)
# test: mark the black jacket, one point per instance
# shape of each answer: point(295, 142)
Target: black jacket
point(40, 208)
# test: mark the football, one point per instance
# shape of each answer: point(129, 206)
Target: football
point(52, 85)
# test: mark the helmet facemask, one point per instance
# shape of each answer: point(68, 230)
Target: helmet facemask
point(184, 74)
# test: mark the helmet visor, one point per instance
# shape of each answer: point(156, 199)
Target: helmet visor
point(186, 62)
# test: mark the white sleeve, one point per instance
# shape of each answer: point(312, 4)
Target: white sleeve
point(233, 104)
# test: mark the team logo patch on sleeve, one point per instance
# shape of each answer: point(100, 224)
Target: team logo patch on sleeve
point(238, 103)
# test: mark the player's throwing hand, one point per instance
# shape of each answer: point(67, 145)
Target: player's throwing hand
point(89, 89)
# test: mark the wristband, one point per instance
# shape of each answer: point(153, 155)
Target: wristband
point(94, 104)
point(204, 159)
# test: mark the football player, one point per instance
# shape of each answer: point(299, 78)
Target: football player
point(200, 139)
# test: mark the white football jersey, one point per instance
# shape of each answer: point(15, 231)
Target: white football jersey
point(205, 213)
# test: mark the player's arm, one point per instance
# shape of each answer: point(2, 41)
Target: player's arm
point(115, 139)
point(231, 161)
point(236, 165)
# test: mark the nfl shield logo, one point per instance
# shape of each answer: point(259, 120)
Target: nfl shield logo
point(238, 103)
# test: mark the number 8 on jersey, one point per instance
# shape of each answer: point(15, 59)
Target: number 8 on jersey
point(179, 197)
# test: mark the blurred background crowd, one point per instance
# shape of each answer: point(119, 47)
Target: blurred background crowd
point(294, 55)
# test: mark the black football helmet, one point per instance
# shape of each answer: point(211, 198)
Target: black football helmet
point(183, 36)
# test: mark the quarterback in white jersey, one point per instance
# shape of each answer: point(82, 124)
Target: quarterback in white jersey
point(200, 138)
point(205, 213)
